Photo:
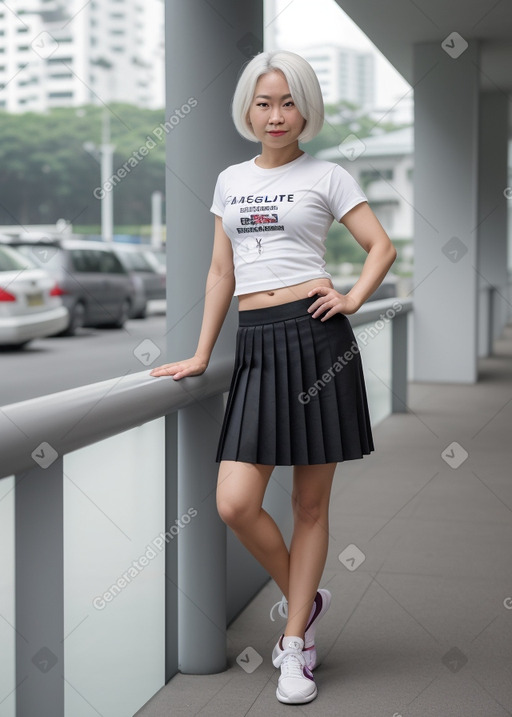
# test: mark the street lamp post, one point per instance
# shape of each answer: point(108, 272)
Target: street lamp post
point(156, 219)
point(107, 201)
point(104, 154)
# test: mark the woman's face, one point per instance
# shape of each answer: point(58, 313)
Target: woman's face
point(274, 118)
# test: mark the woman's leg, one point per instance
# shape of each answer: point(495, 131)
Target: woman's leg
point(240, 491)
point(308, 549)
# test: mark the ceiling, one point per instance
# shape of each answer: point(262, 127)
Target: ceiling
point(396, 26)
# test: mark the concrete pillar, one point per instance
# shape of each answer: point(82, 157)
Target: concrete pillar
point(446, 97)
point(207, 45)
point(201, 543)
point(492, 218)
point(39, 591)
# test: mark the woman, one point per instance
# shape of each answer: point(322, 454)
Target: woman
point(297, 395)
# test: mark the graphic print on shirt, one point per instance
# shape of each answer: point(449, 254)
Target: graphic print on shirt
point(277, 220)
point(256, 218)
point(259, 219)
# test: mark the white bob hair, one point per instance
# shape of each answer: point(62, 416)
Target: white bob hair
point(304, 89)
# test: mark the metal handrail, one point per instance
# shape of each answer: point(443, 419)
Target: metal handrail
point(71, 419)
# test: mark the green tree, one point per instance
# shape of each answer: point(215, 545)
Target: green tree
point(47, 173)
point(343, 119)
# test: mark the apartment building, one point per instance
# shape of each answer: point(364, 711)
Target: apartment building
point(344, 74)
point(57, 53)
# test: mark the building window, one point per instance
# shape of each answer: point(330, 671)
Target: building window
point(59, 95)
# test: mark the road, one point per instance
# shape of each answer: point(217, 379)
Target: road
point(62, 362)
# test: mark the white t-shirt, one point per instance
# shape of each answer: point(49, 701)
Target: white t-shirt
point(277, 219)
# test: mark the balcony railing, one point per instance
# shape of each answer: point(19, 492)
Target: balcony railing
point(110, 536)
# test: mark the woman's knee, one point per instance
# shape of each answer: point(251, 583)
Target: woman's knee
point(309, 509)
point(235, 510)
point(240, 494)
point(311, 492)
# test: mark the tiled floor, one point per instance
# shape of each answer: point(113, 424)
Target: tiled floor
point(423, 625)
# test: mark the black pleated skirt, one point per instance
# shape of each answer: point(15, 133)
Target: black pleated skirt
point(297, 395)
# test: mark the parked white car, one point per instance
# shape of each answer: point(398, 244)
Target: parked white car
point(28, 308)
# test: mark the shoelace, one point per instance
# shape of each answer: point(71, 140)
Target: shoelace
point(282, 608)
point(291, 661)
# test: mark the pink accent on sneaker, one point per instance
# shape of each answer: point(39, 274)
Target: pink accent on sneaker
point(307, 673)
point(318, 609)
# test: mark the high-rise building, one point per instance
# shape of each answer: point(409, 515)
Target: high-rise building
point(344, 74)
point(56, 53)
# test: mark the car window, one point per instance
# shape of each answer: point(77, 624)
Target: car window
point(46, 256)
point(109, 263)
point(136, 261)
point(85, 260)
point(12, 260)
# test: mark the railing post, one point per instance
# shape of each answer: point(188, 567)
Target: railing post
point(39, 589)
point(491, 293)
point(399, 343)
point(201, 542)
point(171, 550)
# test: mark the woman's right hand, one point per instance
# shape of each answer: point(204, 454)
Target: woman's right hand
point(179, 369)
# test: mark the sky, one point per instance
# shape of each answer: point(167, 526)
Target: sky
point(303, 23)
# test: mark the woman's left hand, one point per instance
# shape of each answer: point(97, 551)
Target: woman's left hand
point(331, 302)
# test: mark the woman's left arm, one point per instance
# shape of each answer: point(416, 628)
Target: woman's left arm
point(369, 233)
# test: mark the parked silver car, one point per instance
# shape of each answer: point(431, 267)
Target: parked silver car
point(93, 284)
point(146, 273)
point(30, 307)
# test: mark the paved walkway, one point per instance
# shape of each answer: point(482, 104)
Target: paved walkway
point(421, 618)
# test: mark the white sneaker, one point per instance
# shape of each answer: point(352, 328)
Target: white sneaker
point(319, 608)
point(296, 684)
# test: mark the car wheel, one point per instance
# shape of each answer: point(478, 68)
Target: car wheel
point(142, 313)
point(124, 314)
point(76, 319)
point(14, 347)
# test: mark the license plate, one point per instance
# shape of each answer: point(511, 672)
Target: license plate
point(35, 300)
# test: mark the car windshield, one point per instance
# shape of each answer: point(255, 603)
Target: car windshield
point(47, 256)
point(12, 260)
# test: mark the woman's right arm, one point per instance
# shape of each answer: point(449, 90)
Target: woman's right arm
point(220, 285)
